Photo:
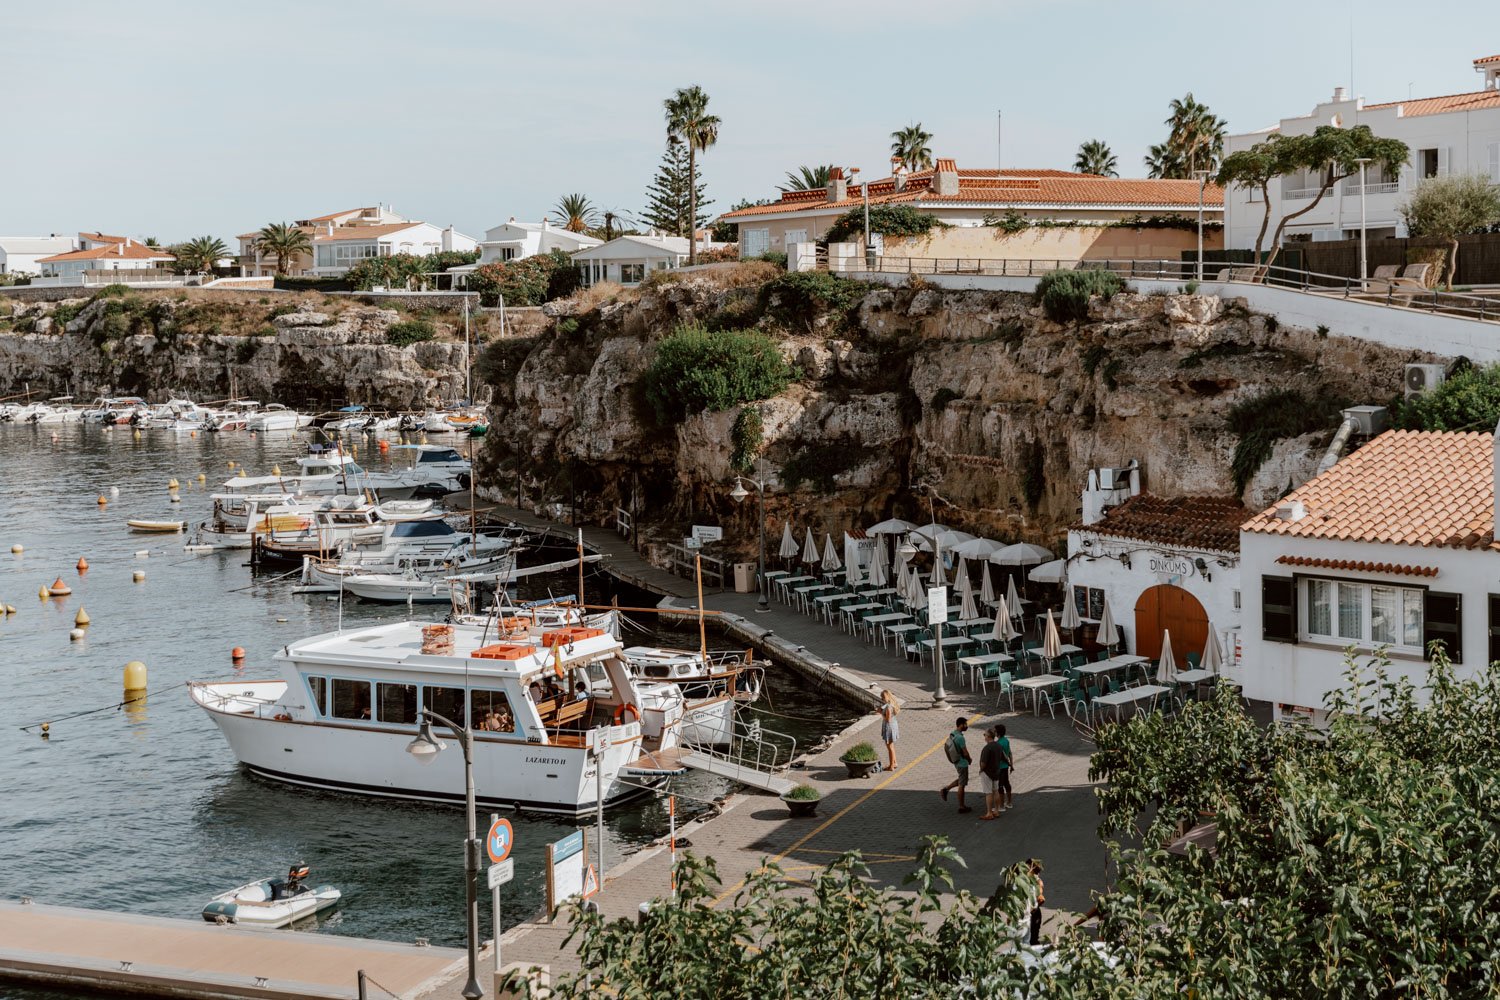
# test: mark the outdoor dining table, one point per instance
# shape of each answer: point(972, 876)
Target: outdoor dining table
point(851, 611)
point(1192, 676)
point(806, 595)
point(1129, 696)
point(1111, 664)
point(897, 631)
point(1035, 684)
point(786, 583)
point(878, 623)
point(973, 664)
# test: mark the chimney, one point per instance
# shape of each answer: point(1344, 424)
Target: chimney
point(898, 173)
point(1340, 94)
point(838, 187)
point(448, 239)
point(945, 178)
point(329, 227)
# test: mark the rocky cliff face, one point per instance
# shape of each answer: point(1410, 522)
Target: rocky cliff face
point(972, 406)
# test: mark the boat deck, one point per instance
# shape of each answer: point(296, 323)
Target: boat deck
point(158, 956)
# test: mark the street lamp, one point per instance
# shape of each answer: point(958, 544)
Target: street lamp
point(1202, 176)
point(738, 495)
point(1363, 162)
point(425, 749)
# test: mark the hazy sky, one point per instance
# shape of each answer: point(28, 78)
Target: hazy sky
point(173, 119)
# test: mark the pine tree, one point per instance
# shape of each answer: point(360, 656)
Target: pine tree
point(667, 198)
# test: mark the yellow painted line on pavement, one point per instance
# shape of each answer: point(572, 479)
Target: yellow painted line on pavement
point(837, 816)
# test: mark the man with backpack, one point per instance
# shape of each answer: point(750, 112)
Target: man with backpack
point(958, 755)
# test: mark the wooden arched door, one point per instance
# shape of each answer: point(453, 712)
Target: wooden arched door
point(1165, 607)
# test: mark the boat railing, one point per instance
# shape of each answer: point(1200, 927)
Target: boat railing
point(754, 746)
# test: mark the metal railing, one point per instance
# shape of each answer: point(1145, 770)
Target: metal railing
point(684, 564)
point(754, 747)
point(624, 523)
point(1398, 293)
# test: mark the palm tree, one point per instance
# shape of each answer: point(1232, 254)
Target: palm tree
point(909, 145)
point(688, 121)
point(806, 179)
point(1195, 142)
point(285, 242)
point(1095, 157)
point(201, 253)
point(575, 212)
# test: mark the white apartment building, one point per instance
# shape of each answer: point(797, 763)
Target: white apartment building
point(1391, 548)
point(19, 254)
point(342, 239)
point(75, 267)
point(512, 240)
point(1452, 134)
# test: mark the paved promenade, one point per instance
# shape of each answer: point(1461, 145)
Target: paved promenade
point(884, 816)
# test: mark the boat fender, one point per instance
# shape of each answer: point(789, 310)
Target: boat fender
point(627, 707)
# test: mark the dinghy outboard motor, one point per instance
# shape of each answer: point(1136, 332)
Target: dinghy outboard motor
point(295, 877)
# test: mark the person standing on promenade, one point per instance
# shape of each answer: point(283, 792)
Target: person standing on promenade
point(989, 774)
point(1004, 797)
point(956, 747)
point(890, 731)
point(1037, 903)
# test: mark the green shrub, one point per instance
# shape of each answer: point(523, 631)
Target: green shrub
point(1064, 295)
point(499, 362)
point(862, 752)
point(1010, 223)
point(410, 331)
point(888, 220)
point(1111, 373)
point(246, 350)
point(799, 298)
point(567, 326)
point(804, 793)
point(942, 398)
point(1263, 420)
point(774, 257)
point(1468, 401)
point(529, 281)
point(115, 291)
point(285, 309)
point(66, 312)
point(695, 370)
point(744, 438)
point(265, 331)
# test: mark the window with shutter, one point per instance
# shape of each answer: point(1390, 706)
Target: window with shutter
point(1442, 621)
point(1278, 609)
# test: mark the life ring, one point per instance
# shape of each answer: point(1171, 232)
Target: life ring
point(627, 707)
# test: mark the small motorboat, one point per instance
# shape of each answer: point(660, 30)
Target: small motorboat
point(161, 526)
point(271, 902)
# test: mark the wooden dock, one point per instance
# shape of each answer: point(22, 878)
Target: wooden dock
point(124, 953)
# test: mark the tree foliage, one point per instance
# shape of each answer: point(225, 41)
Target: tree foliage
point(199, 255)
point(1195, 141)
point(910, 146)
point(526, 281)
point(575, 212)
point(1262, 420)
point(1095, 157)
point(1064, 295)
point(403, 270)
point(669, 203)
point(1468, 400)
point(888, 220)
point(1450, 207)
point(408, 332)
point(696, 370)
point(807, 178)
point(283, 241)
point(690, 124)
point(1332, 151)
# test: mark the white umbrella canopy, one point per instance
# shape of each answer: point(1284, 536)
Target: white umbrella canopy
point(788, 542)
point(810, 549)
point(1049, 572)
point(1166, 670)
point(939, 573)
point(1213, 657)
point(1070, 620)
point(878, 574)
point(1020, 554)
point(830, 554)
point(922, 537)
point(1013, 599)
point(1051, 641)
point(890, 526)
point(1107, 627)
point(967, 609)
point(1003, 631)
point(986, 586)
point(918, 592)
point(950, 540)
point(974, 548)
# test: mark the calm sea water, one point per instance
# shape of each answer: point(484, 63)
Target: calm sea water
point(144, 809)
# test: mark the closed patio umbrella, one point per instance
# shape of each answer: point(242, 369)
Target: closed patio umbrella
point(1166, 669)
point(1003, 631)
point(788, 542)
point(856, 575)
point(967, 610)
point(1020, 554)
point(830, 554)
point(939, 573)
point(891, 526)
point(878, 573)
point(986, 586)
point(1013, 599)
point(1213, 657)
point(918, 592)
point(1069, 614)
point(810, 549)
point(1107, 628)
point(1051, 642)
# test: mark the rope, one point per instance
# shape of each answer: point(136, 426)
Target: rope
point(95, 711)
point(371, 981)
point(256, 583)
point(757, 710)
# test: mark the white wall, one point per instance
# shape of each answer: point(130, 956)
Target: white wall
point(1302, 673)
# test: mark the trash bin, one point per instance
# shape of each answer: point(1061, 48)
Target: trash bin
point(744, 578)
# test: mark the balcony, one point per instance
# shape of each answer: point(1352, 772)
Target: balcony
point(1351, 186)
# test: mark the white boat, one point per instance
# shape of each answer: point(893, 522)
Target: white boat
point(114, 409)
point(712, 686)
point(345, 712)
point(422, 549)
point(235, 416)
point(238, 517)
point(175, 415)
point(275, 417)
point(326, 526)
point(438, 467)
point(271, 902)
point(452, 421)
point(57, 411)
point(156, 526)
point(328, 472)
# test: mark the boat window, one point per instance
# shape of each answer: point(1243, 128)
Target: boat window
point(421, 529)
point(448, 455)
point(398, 703)
point(351, 699)
point(318, 686)
point(447, 702)
point(482, 703)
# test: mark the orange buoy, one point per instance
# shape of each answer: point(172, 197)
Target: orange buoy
point(83, 565)
point(237, 653)
point(385, 446)
point(101, 501)
point(59, 589)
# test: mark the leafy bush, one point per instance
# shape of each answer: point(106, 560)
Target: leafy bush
point(66, 312)
point(1111, 373)
point(862, 752)
point(1064, 295)
point(408, 332)
point(499, 362)
point(1010, 223)
point(744, 438)
point(799, 298)
point(1468, 401)
point(529, 281)
point(942, 398)
point(1263, 420)
point(285, 309)
point(115, 291)
point(888, 220)
point(695, 370)
point(567, 326)
point(804, 793)
point(774, 257)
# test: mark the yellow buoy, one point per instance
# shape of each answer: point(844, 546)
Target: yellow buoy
point(136, 435)
point(139, 576)
point(10, 609)
point(83, 565)
point(192, 434)
point(81, 619)
point(43, 593)
point(18, 549)
point(135, 675)
point(275, 470)
point(59, 589)
point(231, 463)
point(171, 484)
point(202, 478)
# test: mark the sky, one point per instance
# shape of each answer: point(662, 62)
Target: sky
point(176, 119)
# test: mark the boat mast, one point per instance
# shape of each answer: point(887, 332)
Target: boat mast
point(468, 358)
point(702, 635)
point(580, 576)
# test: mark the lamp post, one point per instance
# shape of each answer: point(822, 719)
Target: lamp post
point(738, 494)
point(425, 748)
point(940, 696)
point(1202, 176)
point(1363, 162)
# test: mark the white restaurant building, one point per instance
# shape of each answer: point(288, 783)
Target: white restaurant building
point(1450, 134)
point(1392, 548)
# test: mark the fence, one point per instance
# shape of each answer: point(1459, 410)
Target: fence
point(684, 564)
point(1478, 256)
point(624, 523)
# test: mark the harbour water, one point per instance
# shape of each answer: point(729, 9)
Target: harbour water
point(144, 808)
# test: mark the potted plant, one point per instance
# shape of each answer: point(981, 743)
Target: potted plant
point(802, 800)
point(861, 759)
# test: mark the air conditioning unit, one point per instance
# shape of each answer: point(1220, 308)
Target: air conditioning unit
point(1422, 378)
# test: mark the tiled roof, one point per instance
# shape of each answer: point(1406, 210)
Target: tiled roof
point(341, 233)
point(946, 166)
point(1004, 187)
point(101, 238)
point(1486, 59)
point(115, 251)
point(334, 215)
point(1359, 566)
point(1472, 101)
point(1432, 488)
point(1193, 522)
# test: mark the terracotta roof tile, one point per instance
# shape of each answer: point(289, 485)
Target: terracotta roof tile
point(1423, 488)
point(1197, 522)
point(102, 238)
point(946, 166)
point(115, 251)
point(359, 232)
point(1472, 101)
point(1360, 566)
point(1486, 59)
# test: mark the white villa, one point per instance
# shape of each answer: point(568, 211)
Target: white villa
point(1162, 563)
point(512, 240)
point(628, 259)
point(1452, 134)
point(100, 253)
point(1392, 548)
point(342, 239)
point(19, 254)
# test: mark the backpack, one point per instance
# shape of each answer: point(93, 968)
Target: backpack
point(951, 749)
